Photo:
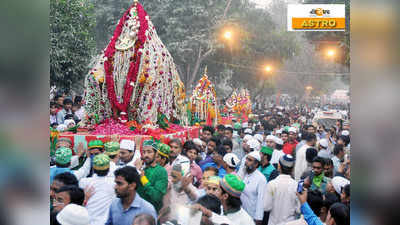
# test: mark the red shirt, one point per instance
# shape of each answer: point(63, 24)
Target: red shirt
point(288, 147)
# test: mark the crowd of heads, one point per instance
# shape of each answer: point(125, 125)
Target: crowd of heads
point(271, 139)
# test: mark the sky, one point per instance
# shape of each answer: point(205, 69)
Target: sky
point(264, 3)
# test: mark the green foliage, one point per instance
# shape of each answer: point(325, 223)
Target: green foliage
point(71, 41)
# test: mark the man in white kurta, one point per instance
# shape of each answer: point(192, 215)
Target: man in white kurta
point(103, 190)
point(280, 195)
point(301, 162)
point(253, 194)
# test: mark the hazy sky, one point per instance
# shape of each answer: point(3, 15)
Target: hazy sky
point(264, 3)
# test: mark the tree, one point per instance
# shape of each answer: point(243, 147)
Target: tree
point(71, 41)
point(192, 34)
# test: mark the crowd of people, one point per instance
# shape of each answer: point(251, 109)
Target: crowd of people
point(66, 112)
point(276, 168)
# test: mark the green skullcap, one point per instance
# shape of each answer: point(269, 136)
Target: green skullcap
point(164, 150)
point(96, 144)
point(63, 155)
point(151, 143)
point(267, 150)
point(232, 184)
point(237, 126)
point(112, 148)
point(101, 162)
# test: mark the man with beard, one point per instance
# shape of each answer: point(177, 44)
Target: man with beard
point(317, 180)
point(128, 204)
point(180, 192)
point(127, 154)
point(153, 177)
point(253, 194)
point(266, 167)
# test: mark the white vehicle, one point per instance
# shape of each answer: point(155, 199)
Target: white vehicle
point(327, 118)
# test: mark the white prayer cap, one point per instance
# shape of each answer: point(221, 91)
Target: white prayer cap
point(279, 131)
point(254, 144)
point(323, 143)
point(127, 144)
point(345, 133)
point(247, 137)
point(248, 131)
point(256, 155)
point(61, 127)
point(259, 137)
point(338, 183)
point(69, 121)
point(73, 214)
point(231, 159)
point(245, 125)
point(292, 129)
point(270, 137)
point(278, 141)
point(198, 141)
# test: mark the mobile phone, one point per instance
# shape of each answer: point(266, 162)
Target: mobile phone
point(300, 186)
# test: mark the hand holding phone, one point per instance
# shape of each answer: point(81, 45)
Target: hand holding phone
point(300, 186)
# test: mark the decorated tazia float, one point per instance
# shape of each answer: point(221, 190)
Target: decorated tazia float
point(237, 106)
point(203, 104)
point(134, 89)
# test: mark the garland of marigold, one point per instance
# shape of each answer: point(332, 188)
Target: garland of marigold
point(134, 64)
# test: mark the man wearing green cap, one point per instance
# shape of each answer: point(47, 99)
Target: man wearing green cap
point(63, 161)
point(99, 203)
point(154, 178)
point(266, 167)
point(162, 156)
point(112, 150)
point(96, 147)
point(232, 187)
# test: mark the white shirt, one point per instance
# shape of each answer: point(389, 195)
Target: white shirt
point(300, 221)
point(253, 193)
point(281, 200)
point(80, 112)
point(115, 166)
point(240, 217)
point(300, 165)
point(53, 119)
point(99, 203)
point(276, 155)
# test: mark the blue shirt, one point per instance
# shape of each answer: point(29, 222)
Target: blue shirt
point(309, 215)
point(221, 170)
point(119, 216)
point(202, 163)
point(54, 171)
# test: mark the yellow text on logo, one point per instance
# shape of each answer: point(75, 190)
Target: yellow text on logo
point(318, 23)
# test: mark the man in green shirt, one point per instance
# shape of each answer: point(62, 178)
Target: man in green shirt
point(266, 168)
point(154, 178)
